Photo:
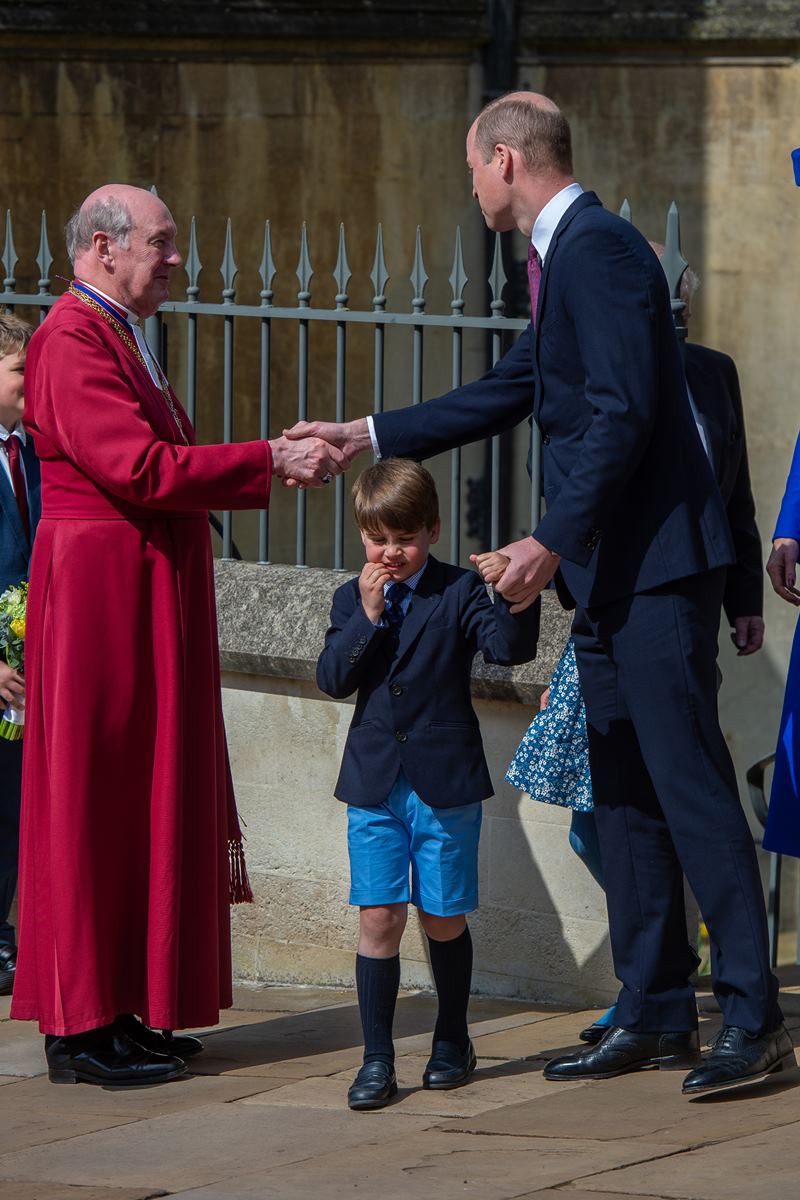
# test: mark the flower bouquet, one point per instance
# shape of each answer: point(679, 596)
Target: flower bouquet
point(13, 604)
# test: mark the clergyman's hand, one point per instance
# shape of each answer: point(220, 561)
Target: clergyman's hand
point(12, 687)
point(748, 634)
point(531, 568)
point(309, 461)
point(351, 437)
point(782, 569)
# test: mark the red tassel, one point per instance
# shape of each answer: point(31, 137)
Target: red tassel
point(239, 885)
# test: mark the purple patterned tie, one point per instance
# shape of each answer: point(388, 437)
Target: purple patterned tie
point(534, 278)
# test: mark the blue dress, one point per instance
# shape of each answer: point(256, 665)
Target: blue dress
point(782, 833)
point(552, 762)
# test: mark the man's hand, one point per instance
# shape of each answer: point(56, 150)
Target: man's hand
point(748, 634)
point(370, 583)
point(12, 686)
point(531, 568)
point(490, 565)
point(351, 437)
point(782, 569)
point(309, 462)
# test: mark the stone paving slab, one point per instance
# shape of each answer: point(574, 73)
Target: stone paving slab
point(21, 1049)
point(764, 1165)
point(418, 1166)
point(191, 1091)
point(648, 1105)
point(58, 1191)
point(194, 1148)
point(492, 1086)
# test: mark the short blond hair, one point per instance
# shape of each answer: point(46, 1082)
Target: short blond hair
point(395, 493)
point(14, 334)
point(541, 135)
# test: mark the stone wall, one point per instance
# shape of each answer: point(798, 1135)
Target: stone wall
point(541, 929)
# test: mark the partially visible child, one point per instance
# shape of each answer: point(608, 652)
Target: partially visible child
point(552, 762)
point(403, 635)
point(19, 491)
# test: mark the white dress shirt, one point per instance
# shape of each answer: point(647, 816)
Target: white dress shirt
point(18, 432)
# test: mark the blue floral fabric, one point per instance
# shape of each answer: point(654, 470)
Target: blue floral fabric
point(552, 762)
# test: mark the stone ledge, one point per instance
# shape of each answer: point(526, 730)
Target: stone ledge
point(272, 621)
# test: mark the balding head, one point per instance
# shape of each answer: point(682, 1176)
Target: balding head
point(690, 282)
point(531, 124)
point(122, 240)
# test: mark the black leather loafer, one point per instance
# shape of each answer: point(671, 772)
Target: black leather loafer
point(593, 1033)
point(737, 1058)
point(373, 1086)
point(108, 1058)
point(158, 1041)
point(621, 1051)
point(448, 1066)
point(8, 967)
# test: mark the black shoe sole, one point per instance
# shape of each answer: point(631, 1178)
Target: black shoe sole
point(69, 1075)
point(675, 1062)
point(365, 1105)
point(787, 1063)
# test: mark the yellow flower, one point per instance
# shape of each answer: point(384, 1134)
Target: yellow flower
point(18, 627)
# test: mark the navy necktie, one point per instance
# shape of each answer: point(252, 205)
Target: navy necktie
point(395, 594)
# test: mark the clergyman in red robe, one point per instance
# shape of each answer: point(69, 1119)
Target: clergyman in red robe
point(130, 847)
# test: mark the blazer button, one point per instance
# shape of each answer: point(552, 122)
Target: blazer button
point(546, 440)
point(401, 737)
point(396, 689)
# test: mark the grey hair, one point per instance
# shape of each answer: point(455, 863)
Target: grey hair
point(110, 216)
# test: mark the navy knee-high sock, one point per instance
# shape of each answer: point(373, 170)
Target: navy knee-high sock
point(377, 982)
point(451, 963)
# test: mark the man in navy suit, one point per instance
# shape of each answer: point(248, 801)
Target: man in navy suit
point(636, 529)
point(19, 513)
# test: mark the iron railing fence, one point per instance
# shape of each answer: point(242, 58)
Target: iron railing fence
point(495, 327)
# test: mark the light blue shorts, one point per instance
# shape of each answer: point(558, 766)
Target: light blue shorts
point(440, 845)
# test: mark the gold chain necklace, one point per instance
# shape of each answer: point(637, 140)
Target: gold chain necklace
point(128, 341)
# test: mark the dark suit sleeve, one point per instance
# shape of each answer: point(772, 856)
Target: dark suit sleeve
point(350, 643)
point(611, 294)
point(501, 636)
point(491, 405)
point(744, 589)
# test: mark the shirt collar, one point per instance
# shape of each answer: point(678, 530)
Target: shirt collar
point(412, 580)
point(547, 221)
point(132, 316)
point(18, 429)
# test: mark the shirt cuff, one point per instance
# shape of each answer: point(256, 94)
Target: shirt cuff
point(373, 437)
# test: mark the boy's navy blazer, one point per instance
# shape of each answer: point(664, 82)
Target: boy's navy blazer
point(15, 549)
point(631, 499)
point(414, 708)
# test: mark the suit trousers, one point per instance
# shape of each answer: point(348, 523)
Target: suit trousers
point(667, 803)
point(10, 789)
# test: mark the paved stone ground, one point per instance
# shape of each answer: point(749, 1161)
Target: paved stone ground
point(264, 1116)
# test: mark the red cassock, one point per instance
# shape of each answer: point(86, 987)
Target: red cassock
point(127, 798)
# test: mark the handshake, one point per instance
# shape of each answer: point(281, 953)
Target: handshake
point(311, 453)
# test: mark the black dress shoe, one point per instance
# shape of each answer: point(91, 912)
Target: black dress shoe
point(373, 1086)
point(158, 1041)
point(621, 1051)
point(8, 967)
point(737, 1058)
point(594, 1033)
point(109, 1058)
point(449, 1066)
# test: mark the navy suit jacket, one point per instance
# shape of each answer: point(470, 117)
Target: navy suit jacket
point(15, 549)
point(714, 384)
point(631, 499)
point(414, 706)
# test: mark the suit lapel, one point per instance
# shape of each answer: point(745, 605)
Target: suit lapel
point(424, 603)
point(8, 502)
point(704, 388)
point(33, 478)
